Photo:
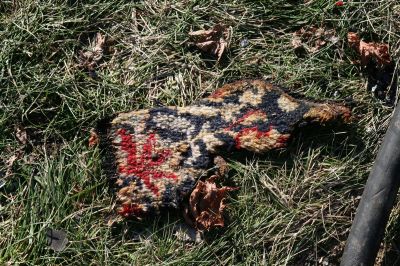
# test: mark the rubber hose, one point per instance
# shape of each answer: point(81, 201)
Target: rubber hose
point(377, 200)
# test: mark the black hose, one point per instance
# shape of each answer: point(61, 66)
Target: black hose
point(377, 201)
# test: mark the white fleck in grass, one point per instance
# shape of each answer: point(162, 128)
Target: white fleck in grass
point(294, 207)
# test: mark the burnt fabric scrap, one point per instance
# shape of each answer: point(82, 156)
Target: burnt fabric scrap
point(157, 155)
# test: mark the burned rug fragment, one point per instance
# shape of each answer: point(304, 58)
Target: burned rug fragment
point(156, 156)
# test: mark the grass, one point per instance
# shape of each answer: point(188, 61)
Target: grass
point(294, 207)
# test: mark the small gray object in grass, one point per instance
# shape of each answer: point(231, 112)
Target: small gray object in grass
point(244, 42)
point(2, 182)
point(56, 239)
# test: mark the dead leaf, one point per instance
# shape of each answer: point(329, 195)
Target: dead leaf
point(10, 162)
point(353, 39)
point(369, 50)
point(206, 205)
point(90, 59)
point(94, 138)
point(377, 66)
point(212, 41)
point(312, 39)
point(21, 135)
point(296, 42)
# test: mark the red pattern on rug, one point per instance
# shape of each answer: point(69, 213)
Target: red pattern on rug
point(250, 130)
point(144, 164)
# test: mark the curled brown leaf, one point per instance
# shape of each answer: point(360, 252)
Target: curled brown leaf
point(377, 66)
point(94, 138)
point(20, 134)
point(9, 164)
point(206, 205)
point(90, 58)
point(312, 39)
point(212, 41)
point(353, 39)
point(379, 52)
point(22, 137)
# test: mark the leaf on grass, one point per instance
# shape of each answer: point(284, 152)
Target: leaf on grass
point(94, 138)
point(378, 67)
point(312, 39)
point(369, 51)
point(10, 162)
point(56, 239)
point(90, 58)
point(212, 41)
point(206, 205)
point(21, 135)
